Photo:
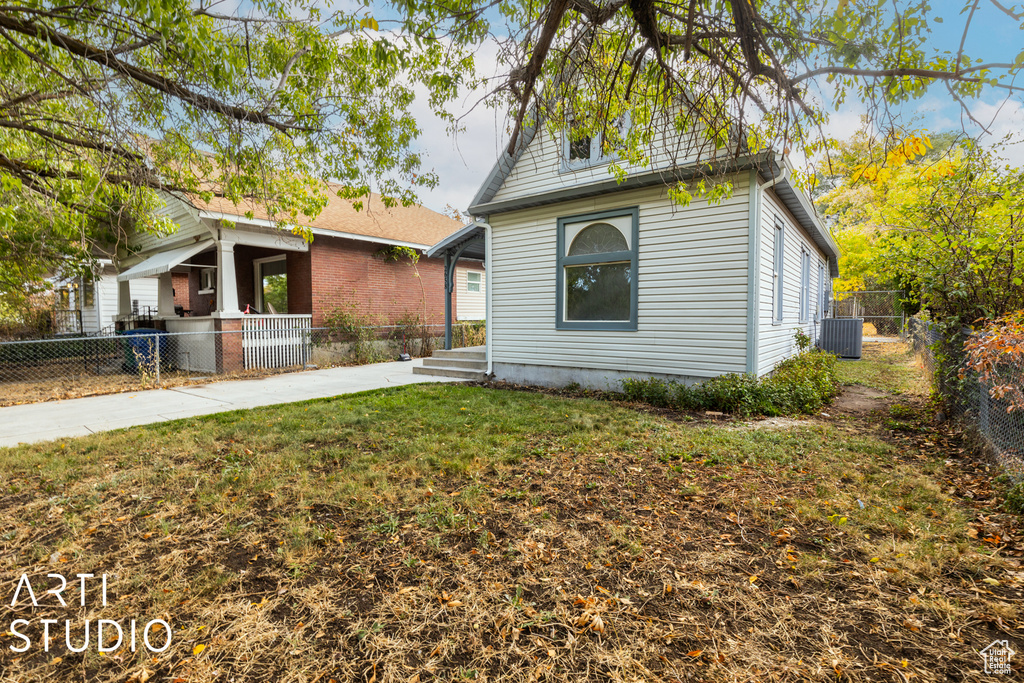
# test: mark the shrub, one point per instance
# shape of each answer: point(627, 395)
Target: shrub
point(1015, 499)
point(801, 384)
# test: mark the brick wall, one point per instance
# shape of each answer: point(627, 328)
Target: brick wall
point(179, 282)
point(300, 282)
point(202, 304)
point(334, 273)
point(346, 272)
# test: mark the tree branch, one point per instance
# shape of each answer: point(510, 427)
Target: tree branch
point(108, 59)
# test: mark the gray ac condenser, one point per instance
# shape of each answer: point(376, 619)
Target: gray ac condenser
point(842, 336)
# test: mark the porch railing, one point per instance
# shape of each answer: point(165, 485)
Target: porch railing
point(276, 341)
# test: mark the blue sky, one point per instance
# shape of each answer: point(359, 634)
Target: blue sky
point(462, 162)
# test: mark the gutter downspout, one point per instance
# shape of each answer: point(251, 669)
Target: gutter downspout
point(489, 319)
point(777, 179)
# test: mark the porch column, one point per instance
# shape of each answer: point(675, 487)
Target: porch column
point(449, 285)
point(165, 296)
point(124, 298)
point(227, 285)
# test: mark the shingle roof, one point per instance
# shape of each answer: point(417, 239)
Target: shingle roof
point(415, 224)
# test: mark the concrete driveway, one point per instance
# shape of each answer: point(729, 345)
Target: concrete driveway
point(78, 417)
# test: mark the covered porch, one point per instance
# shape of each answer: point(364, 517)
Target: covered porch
point(236, 300)
point(468, 243)
point(471, 242)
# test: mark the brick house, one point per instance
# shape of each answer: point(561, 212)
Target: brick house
point(222, 270)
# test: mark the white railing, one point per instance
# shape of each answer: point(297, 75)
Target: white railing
point(276, 341)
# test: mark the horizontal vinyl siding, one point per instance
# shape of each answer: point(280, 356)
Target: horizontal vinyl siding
point(776, 342)
point(470, 305)
point(692, 288)
point(186, 224)
point(540, 167)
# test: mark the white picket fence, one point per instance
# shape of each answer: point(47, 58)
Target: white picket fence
point(276, 341)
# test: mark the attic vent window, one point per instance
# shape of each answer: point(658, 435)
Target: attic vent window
point(580, 150)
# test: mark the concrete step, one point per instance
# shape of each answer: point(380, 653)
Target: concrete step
point(462, 363)
point(458, 373)
point(469, 353)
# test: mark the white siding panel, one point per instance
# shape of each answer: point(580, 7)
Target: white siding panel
point(470, 305)
point(776, 341)
point(540, 167)
point(186, 224)
point(692, 288)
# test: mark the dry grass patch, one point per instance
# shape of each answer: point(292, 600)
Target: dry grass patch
point(442, 532)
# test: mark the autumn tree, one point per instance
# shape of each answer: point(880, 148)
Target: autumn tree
point(852, 188)
point(750, 75)
point(105, 105)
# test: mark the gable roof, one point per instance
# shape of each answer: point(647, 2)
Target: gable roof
point(413, 225)
point(505, 163)
point(769, 165)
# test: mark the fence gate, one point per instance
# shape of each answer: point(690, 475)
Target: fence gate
point(880, 308)
point(276, 341)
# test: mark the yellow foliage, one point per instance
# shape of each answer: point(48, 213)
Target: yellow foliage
point(905, 151)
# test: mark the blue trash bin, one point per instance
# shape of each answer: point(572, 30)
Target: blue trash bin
point(142, 346)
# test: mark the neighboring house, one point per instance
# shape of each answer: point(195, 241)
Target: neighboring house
point(89, 306)
point(591, 280)
point(218, 264)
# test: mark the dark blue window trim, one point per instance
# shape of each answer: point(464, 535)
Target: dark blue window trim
point(779, 265)
point(561, 261)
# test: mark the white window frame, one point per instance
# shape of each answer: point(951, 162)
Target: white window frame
point(470, 274)
point(596, 157)
point(258, 281)
point(207, 280)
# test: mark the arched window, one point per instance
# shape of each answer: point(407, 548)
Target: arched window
point(597, 271)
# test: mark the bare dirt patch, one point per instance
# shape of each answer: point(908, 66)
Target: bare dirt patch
point(859, 400)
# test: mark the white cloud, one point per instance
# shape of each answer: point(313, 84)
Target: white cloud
point(461, 161)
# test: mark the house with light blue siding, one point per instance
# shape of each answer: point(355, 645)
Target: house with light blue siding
point(591, 278)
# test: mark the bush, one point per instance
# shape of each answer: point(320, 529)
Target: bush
point(801, 384)
point(1015, 499)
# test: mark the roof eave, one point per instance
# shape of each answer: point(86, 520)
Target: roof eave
point(470, 232)
point(264, 223)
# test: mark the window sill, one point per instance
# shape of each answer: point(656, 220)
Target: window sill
point(626, 326)
point(206, 291)
point(577, 166)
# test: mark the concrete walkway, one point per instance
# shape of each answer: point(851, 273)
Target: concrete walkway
point(80, 416)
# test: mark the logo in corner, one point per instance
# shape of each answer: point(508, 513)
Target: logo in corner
point(997, 657)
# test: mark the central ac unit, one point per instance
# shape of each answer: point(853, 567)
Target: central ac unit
point(842, 336)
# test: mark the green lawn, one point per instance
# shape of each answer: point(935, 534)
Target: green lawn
point(887, 366)
point(446, 532)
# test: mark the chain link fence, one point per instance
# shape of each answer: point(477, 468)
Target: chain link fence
point(882, 311)
point(967, 399)
point(59, 368)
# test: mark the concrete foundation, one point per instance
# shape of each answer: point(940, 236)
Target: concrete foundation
point(587, 378)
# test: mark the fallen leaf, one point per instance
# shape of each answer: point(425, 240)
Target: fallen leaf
point(198, 649)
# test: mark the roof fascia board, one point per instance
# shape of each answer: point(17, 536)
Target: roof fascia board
point(321, 232)
point(640, 180)
point(463, 234)
point(264, 223)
